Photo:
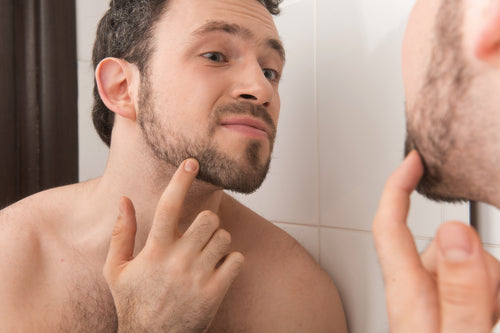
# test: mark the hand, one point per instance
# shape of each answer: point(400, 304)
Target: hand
point(452, 288)
point(177, 282)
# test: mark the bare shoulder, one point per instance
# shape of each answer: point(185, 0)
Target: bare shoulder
point(17, 228)
point(23, 223)
point(26, 227)
point(20, 264)
point(293, 293)
point(301, 296)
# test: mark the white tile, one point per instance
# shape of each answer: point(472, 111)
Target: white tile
point(489, 223)
point(425, 216)
point(290, 192)
point(361, 111)
point(88, 14)
point(361, 127)
point(289, 3)
point(92, 151)
point(456, 212)
point(350, 259)
point(307, 236)
point(493, 250)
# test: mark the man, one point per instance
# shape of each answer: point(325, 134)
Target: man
point(451, 71)
point(185, 89)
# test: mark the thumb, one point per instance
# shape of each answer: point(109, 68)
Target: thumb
point(121, 247)
point(465, 294)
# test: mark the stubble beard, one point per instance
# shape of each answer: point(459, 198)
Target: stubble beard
point(216, 167)
point(430, 129)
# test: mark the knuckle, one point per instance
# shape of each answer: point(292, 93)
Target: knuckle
point(165, 208)
point(209, 219)
point(211, 292)
point(237, 262)
point(153, 250)
point(173, 203)
point(239, 259)
point(222, 237)
point(209, 215)
point(118, 228)
point(177, 265)
point(456, 293)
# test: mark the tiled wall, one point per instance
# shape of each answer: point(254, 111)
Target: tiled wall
point(340, 135)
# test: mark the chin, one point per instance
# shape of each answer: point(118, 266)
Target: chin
point(231, 175)
point(433, 190)
point(436, 184)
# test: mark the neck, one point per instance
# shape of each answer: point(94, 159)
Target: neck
point(134, 172)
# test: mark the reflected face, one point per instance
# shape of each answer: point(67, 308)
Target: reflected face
point(212, 90)
point(437, 80)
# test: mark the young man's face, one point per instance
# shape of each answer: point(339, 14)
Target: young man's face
point(438, 77)
point(431, 59)
point(212, 89)
point(452, 100)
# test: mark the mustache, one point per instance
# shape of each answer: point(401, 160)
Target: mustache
point(246, 108)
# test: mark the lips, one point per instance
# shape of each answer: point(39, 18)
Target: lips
point(247, 126)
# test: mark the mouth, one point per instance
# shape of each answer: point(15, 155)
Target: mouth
point(247, 126)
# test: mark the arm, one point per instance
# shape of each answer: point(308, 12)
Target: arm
point(452, 287)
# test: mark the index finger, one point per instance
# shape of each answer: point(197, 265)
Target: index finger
point(393, 240)
point(169, 207)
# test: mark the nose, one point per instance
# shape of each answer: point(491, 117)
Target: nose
point(252, 86)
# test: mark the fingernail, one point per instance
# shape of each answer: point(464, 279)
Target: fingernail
point(455, 243)
point(190, 166)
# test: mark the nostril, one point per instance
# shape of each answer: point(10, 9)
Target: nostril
point(246, 96)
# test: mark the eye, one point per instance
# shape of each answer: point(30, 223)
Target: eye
point(215, 57)
point(271, 74)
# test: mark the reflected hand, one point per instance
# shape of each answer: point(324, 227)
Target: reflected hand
point(452, 288)
point(177, 282)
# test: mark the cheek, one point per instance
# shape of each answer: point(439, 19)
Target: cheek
point(414, 62)
point(407, 71)
point(276, 114)
point(410, 51)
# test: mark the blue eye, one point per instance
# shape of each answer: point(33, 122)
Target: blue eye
point(271, 74)
point(215, 56)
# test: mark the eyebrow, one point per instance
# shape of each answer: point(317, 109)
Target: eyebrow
point(236, 29)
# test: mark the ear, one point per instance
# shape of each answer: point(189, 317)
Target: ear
point(115, 81)
point(487, 43)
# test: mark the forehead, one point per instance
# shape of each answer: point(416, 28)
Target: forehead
point(187, 16)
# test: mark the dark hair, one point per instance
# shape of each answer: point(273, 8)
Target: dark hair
point(125, 32)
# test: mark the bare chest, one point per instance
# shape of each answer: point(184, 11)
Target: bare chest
point(88, 307)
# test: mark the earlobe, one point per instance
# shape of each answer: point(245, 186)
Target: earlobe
point(487, 43)
point(114, 81)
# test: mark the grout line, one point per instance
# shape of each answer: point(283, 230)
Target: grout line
point(319, 226)
point(423, 238)
point(416, 237)
point(316, 107)
point(298, 224)
point(492, 245)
